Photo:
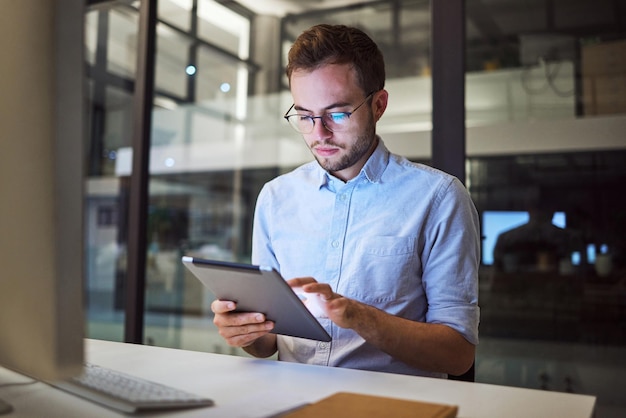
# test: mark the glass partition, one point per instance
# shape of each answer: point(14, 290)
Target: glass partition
point(177, 13)
point(121, 41)
point(204, 174)
point(545, 121)
point(224, 28)
point(545, 60)
point(172, 62)
point(111, 42)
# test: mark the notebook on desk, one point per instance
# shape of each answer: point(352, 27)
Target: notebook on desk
point(345, 404)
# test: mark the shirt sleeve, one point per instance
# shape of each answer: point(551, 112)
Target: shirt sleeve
point(262, 253)
point(451, 260)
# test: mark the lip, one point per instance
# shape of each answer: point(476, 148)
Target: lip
point(325, 151)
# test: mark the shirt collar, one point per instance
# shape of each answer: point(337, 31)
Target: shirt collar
point(372, 170)
point(377, 163)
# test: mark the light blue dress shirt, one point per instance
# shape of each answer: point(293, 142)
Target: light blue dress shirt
point(400, 236)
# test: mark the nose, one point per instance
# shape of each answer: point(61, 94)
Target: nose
point(320, 131)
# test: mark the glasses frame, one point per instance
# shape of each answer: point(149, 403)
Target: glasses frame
point(321, 117)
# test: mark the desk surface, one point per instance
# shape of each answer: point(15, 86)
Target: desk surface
point(245, 387)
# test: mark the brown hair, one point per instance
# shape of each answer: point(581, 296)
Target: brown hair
point(338, 44)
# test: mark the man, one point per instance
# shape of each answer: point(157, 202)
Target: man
point(390, 248)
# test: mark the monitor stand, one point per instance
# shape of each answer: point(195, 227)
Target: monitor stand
point(5, 408)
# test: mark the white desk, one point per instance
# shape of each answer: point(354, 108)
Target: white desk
point(244, 387)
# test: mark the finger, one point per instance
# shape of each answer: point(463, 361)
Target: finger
point(245, 339)
point(326, 293)
point(222, 306)
point(300, 281)
point(323, 289)
point(249, 331)
point(246, 335)
point(238, 319)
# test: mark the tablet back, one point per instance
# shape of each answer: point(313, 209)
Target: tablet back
point(258, 289)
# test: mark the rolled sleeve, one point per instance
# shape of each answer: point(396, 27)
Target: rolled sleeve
point(450, 261)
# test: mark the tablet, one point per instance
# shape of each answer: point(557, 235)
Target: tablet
point(258, 289)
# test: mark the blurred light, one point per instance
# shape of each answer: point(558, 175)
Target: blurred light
point(190, 70)
point(169, 162)
point(225, 87)
point(591, 253)
point(559, 220)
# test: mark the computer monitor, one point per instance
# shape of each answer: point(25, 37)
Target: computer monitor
point(495, 222)
point(41, 183)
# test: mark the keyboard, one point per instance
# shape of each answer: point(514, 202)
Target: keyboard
point(126, 393)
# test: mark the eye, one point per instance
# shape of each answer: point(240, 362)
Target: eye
point(338, 117)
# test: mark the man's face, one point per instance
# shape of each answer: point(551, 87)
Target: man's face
point(333, 88)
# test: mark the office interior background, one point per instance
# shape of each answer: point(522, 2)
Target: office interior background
point(545, 98)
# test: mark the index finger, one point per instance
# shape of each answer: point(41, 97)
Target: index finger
point(300, 281)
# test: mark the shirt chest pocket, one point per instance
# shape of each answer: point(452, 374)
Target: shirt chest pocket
point(385, 268)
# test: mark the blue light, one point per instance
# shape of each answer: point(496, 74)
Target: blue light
point(591, 253)
point(225, 87)
point(190, 70)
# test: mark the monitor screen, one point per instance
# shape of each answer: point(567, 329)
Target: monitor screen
point(41, 183)
point(496, 222)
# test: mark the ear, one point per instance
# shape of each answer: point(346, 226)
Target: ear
point(379, 103)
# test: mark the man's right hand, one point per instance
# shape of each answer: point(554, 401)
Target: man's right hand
point(242, 329)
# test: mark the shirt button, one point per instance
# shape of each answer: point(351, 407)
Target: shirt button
point(323, 345)
point(342, 197)
point(335, 244)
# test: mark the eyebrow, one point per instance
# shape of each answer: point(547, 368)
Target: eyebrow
point(326, 109)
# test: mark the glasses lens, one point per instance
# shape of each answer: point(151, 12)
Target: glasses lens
point(301, 123)
point(336, 121)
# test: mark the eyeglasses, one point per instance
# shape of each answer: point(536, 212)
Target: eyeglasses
point(333, 121)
